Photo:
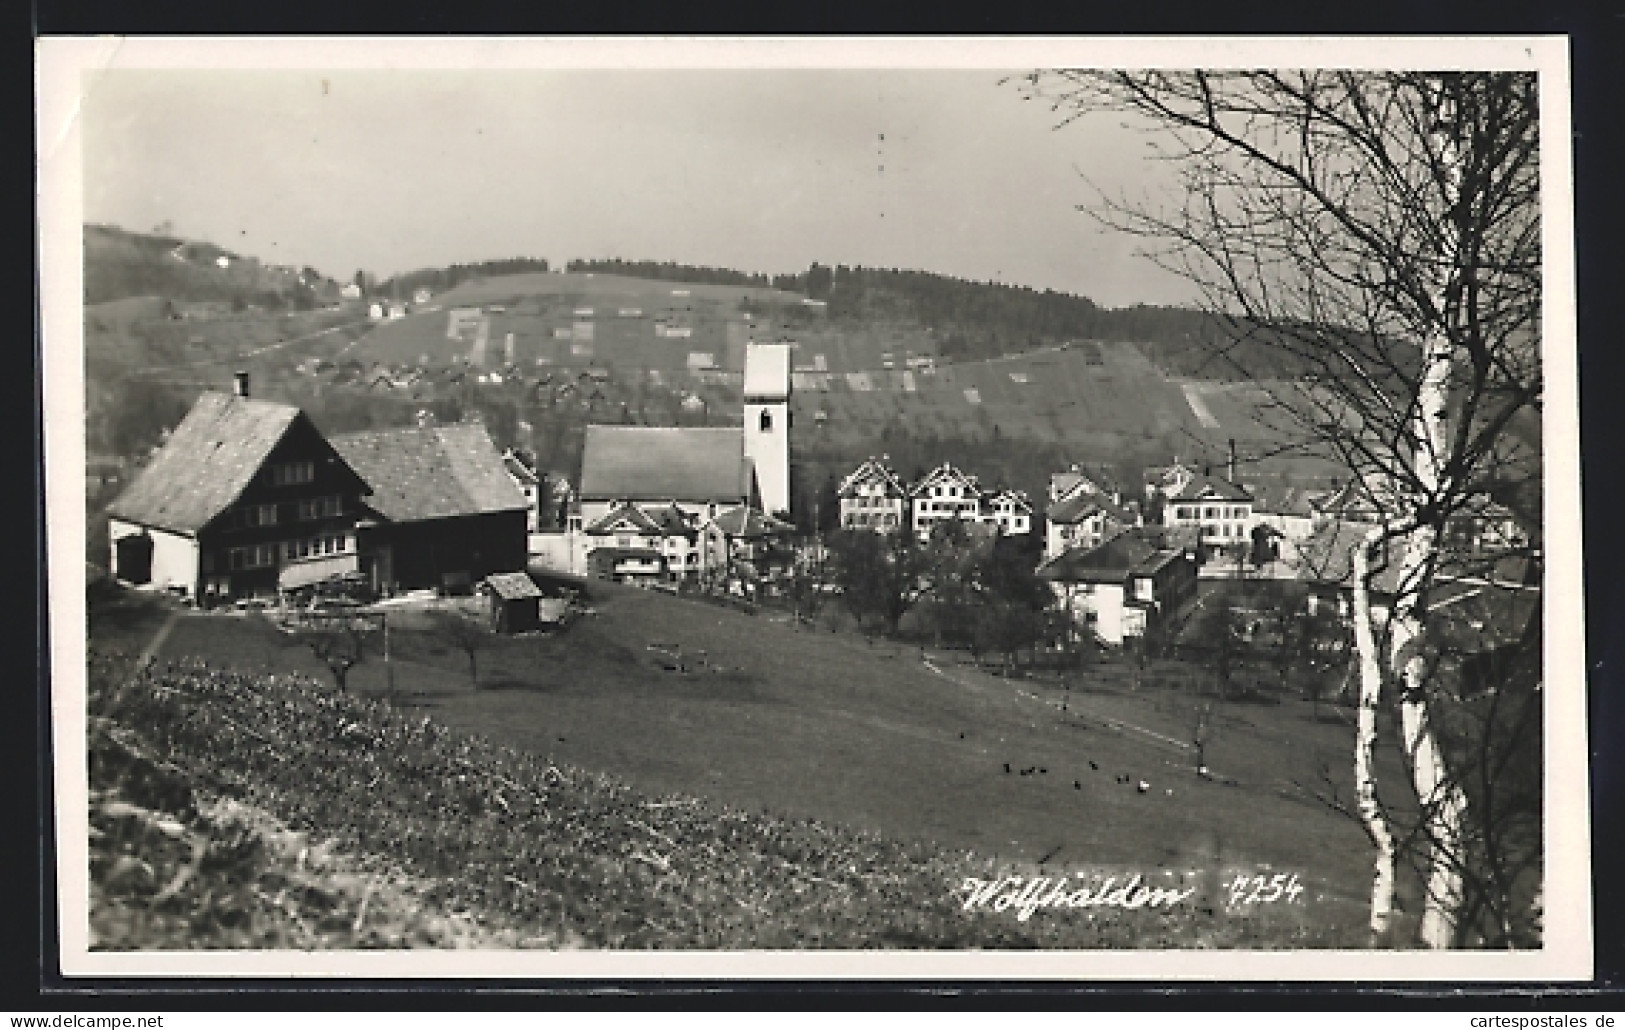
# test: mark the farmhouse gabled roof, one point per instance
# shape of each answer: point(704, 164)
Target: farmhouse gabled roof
point(431, 472)
point(645, 463)
point(208, 461)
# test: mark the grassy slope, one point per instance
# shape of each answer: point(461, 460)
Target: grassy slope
point(824, 726)
point(294, 800)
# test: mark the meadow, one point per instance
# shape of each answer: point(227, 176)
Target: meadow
point(883, 740)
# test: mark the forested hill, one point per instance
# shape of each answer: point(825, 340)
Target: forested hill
point(440, 279)
point(975, 320)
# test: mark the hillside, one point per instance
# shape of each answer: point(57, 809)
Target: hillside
point(120, 263)
point(640, 808)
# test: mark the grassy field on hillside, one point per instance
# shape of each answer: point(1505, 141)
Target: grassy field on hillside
point(814, 725)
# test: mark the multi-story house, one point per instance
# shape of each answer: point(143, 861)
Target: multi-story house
point(944, 494)
point(1083, 519)
point(246, 498)
point(1122, 587)
point(1220, 511)
point(873, 497)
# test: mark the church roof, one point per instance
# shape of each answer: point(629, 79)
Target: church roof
point(646, 463)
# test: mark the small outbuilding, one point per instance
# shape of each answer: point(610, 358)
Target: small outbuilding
point(515, 600)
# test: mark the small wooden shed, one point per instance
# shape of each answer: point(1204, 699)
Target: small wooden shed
point(514, 602)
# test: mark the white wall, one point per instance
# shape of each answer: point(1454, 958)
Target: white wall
point(770, 451)
point(174, 557)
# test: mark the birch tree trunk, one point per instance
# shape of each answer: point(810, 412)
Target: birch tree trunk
point(1369, 663)
point(1441, 798)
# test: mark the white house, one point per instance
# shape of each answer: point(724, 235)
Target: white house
point(1123, 586)
point(942, 494)
point(1082, 519)
point(1221, 512)
point(1010, 510)
point(873, 497)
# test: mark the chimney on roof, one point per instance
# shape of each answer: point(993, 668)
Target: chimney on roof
point(1232, 461)
point(240, 384)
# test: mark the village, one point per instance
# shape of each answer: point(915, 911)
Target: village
point(248, 504)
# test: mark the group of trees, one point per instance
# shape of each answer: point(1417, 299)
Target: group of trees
point(439, 279)
point(1382, 230)
point(962, 590)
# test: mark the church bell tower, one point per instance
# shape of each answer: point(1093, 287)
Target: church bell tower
point(767, 421)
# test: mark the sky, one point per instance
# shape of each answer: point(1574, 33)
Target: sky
point(760, 170)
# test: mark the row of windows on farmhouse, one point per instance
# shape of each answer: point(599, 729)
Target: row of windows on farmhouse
point(292, 473)
point(310, 508)
point(263, 556)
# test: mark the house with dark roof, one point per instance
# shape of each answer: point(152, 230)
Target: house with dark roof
point(1083, 519)
point(442, 512)
point(701, 471)
point(1120, 588)
point(245, 498)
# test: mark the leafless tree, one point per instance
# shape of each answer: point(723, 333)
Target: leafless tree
point(465, 632)
point(1369, 244)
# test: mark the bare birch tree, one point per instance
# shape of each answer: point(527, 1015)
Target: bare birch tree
point(1369, 244)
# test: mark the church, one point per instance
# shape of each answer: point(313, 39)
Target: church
point(665, 502)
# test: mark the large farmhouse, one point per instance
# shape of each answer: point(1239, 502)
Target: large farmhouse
point(245, 498)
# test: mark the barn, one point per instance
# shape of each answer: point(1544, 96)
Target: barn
point(443, 514)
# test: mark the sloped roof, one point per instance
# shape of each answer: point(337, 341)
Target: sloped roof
point(1017, 496)
point(512, 586)
point(518, 469)
point(870, 471)
point(207, 462)
point(1327, 557)
point(430, 472)
point(628, 513)
point(1080, 506)
point(1063, 483)
point(748, 523)
point(942, 474)
point(643, 463)
point(1111, 562)
point(767, 371)
point(1214, 487)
